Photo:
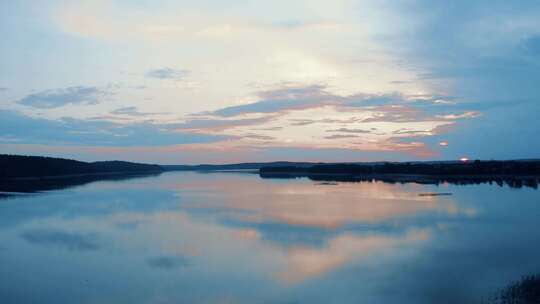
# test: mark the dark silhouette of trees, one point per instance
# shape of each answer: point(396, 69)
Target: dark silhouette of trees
point(16, 166)
point(516, 174)
point(438, 168)
point(524, 291)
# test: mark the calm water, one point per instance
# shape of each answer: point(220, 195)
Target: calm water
point(237, 238)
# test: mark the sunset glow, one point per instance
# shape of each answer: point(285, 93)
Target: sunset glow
point(282, 151)
point(180, 80)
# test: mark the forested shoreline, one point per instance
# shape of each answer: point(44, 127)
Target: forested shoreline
point(468, 168)
point(18, 167)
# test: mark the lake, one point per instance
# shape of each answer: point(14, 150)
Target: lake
point(187, 237)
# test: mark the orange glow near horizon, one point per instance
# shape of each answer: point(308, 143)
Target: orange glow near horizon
point(308, 205)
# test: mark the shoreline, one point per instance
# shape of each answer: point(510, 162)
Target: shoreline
point(400, 175)
point(64, 176)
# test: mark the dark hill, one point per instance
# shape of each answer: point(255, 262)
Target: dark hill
point(16, 166)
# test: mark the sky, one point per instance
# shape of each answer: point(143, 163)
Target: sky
point(185, 82)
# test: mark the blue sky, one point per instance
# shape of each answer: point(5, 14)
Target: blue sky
point(215, 81)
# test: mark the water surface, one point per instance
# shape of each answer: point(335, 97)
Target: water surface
point(188, 237)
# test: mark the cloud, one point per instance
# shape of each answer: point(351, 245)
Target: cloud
point(213, 124)
point(132, 111)
point(288, 97)
point(499, 66)
point(289, 116)
point(340, 136)
point(129, 225)
point(168, 262)
point(469, 114)
point(532, 45)
point(408, 131)
point(295, 97)
point(66, 240)
point(60, 97)
point(3, 89)
point(295, 91)
point(435, 53)
point(263, 106)
point(99, 20)
point(295, 116)
point(17, 127)
point(345, 130)
point(365, 100)
point(258, 136)
point(303, 122)
point(270, 129)
point(168, 73)
point(307, 25)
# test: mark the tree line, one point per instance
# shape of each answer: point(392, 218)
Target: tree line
point(18, 166)
point(477, 167)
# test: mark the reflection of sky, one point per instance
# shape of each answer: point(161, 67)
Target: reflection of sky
point(206, 238)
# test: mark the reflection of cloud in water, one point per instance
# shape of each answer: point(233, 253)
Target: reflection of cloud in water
point(96, 200)
point(68, 240)
point(304, 204)
point(168, 262)
point(184, 238)
point(132, 225)
point(248, 234)
point(273, 241)
point(305, 262)
point(300, 225)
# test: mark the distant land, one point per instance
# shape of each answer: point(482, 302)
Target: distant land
point(239, 166)
point(476, 167)
point(258, 165)
point(514, 173)
point(452, 168)
point(26, 167)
